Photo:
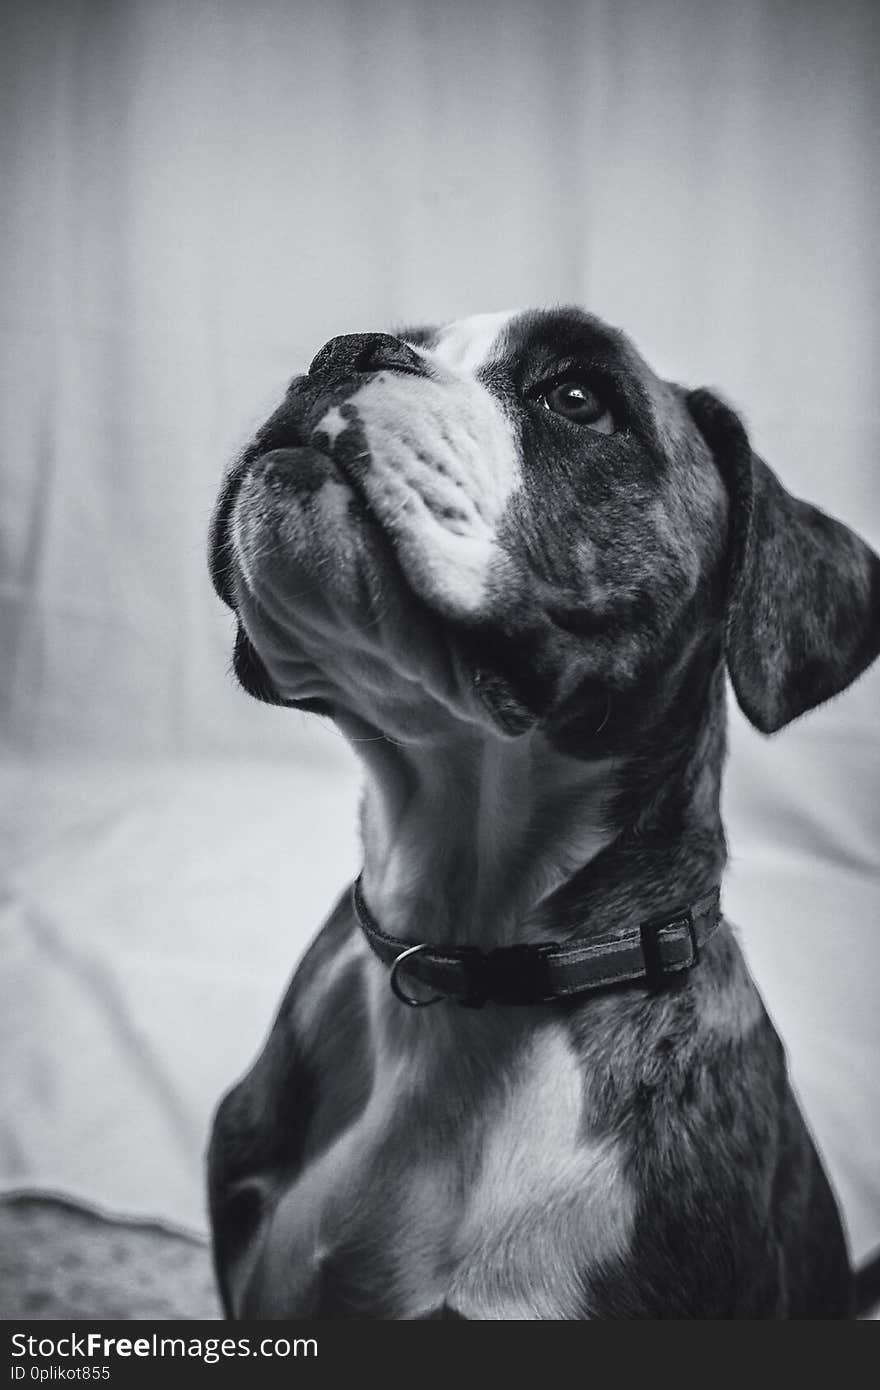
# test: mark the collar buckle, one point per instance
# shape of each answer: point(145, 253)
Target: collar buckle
point(507, 975)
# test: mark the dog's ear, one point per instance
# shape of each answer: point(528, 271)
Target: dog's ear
point(803, 592)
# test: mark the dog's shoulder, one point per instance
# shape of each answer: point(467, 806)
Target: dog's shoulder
point(734, 1216)
point(321, 1022)
point(280, 1111)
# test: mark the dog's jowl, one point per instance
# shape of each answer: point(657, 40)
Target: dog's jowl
point(523, 1071)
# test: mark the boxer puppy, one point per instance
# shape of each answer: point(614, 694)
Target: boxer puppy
point(513, 565)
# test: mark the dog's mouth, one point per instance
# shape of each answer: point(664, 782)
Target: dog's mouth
point(329, 619)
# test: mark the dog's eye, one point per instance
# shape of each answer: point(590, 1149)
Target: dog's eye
point(578, 403)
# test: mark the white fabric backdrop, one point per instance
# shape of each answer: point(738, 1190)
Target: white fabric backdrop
point(195, 196)
point(198, 194)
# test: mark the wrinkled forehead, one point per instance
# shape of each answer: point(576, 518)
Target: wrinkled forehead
point(526, 345)
point(517, 338)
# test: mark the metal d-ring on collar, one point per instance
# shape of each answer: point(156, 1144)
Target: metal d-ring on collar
point(401, 994)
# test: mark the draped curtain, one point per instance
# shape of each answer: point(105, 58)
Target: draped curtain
point(197, 193)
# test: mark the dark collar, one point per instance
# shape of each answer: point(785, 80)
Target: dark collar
point(538, 974)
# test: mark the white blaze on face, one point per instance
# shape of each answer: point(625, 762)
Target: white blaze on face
point(443, 464)
point(466, 345)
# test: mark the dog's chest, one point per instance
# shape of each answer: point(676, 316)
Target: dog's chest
point(495, 1205)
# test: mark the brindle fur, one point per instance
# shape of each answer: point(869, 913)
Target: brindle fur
point(687, 1183)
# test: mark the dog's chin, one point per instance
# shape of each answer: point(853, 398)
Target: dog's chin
point(328, 621)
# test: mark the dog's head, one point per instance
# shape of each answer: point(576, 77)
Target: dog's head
point(511, 521)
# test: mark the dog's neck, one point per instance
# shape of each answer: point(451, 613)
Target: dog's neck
point(489, 841)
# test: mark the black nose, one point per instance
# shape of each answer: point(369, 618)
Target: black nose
point(366, 352)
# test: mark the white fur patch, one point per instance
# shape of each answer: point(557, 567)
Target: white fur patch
point(546, 1205)
point(466, 345)
point(549, 1204)
point(333, 423)
point(443, 464)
